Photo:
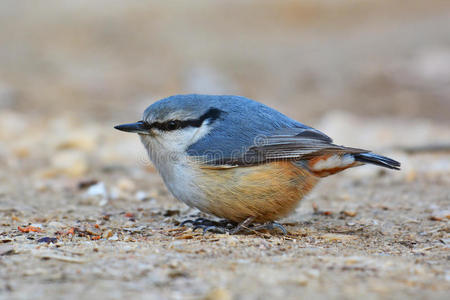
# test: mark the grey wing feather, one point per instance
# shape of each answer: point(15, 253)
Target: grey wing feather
point(288, 144)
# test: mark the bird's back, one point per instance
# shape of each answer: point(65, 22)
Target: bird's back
point(244, 123)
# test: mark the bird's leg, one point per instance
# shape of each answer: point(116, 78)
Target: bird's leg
point(270, 226)
point(242, 225)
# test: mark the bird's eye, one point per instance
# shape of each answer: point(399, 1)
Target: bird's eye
point(171, 125)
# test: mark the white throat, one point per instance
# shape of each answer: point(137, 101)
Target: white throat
point(167, 151)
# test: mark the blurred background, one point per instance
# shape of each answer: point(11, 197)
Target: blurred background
point(70, 70)
point(372, 74)
point(110, 59)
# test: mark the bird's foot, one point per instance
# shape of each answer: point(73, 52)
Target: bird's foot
point(222, 226)
point(225, 226)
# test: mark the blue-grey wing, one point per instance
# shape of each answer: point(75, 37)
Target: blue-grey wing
point(242, 124)
point(280, 144)
point(249, 132)
point(297, 146)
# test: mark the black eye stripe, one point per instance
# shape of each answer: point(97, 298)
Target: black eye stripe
point(211, 115)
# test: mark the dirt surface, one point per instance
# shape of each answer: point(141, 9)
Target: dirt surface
point(84, 214)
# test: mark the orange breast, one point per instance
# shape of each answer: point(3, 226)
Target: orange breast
point(266, 192)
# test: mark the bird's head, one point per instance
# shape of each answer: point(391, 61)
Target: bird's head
point(175, 123)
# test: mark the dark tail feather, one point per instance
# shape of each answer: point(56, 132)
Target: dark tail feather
point(375, 159)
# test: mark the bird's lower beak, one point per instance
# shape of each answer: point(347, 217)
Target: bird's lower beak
point(138, 127)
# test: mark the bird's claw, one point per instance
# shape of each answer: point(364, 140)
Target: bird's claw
point(270, 226)
point(223, 226)
point(212, 228)
point(193, 222)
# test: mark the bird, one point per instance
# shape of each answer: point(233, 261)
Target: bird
point(238, 159)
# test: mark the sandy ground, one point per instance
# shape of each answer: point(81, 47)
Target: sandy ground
point(84, 214)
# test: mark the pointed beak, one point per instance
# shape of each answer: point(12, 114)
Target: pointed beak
point(138, 127)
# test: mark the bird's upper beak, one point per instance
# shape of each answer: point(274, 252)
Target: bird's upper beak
point(138, 127)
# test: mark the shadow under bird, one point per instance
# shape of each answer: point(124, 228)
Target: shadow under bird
point(238, 159)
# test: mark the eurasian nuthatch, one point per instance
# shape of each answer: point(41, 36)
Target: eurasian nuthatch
point(238, 159)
